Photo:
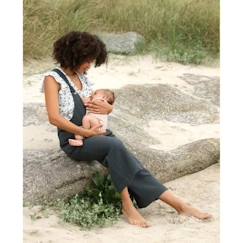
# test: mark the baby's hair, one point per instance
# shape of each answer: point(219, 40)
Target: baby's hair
point(109, 93)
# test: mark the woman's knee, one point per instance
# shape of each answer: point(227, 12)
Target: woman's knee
point(116, 143)
point(104, 143)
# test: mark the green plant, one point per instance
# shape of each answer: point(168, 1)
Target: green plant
point(98, 205)
point(102, 185)
point(181, 30)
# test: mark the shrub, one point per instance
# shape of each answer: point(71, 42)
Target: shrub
point(98, 205)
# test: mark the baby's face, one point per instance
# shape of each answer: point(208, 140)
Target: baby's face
point(100, 95)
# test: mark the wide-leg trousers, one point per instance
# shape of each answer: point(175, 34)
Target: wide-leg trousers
point(125, 169)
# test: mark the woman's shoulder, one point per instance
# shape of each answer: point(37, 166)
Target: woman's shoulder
point(54, 74)
point(51, 74)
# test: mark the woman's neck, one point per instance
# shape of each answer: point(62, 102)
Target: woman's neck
point(69, 72)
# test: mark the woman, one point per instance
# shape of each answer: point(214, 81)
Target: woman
point(75, 52)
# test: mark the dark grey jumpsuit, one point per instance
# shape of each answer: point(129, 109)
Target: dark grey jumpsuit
point(124, 168)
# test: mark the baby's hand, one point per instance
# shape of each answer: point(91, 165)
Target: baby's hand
point(102, 126)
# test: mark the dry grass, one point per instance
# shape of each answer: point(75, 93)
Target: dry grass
point(184, 30)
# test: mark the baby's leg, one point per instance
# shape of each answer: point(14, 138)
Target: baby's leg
point(75, 142)
point(78, 141)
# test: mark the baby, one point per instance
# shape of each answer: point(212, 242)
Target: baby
point(92, 119)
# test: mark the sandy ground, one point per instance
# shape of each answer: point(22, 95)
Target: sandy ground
point(201, 189)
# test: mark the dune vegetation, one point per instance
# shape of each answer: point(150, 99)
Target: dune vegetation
point(186, 31)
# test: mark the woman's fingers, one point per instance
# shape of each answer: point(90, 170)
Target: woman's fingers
point(95, 104)
point(96, 110)
point(99, 107)
point(93, 108)
point(92, 104)
point(97, 127)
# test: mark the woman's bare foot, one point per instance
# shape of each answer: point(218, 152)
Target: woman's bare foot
point(182, 207)
point(134, 217)
point(188, 210)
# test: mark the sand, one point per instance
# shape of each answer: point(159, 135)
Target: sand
point(201, 189)
point(120, 72)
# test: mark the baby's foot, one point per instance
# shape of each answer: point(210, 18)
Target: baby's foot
point(134, 217)
point(75, 142)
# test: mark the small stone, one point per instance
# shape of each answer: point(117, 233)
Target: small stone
point(123, 43)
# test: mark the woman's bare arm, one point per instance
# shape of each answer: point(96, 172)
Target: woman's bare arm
point(51, 88)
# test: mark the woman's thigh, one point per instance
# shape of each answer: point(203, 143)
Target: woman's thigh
point(95, 148)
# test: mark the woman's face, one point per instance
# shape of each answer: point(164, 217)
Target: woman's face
point(83, 68)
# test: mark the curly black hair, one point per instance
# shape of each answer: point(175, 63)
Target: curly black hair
point(76, 48)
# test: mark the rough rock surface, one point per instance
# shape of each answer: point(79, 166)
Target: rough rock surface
point(205, 87)
point(124, 43)
point(51, 174)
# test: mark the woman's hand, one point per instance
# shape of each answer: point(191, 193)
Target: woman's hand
point(94, 131)
point(99, 107)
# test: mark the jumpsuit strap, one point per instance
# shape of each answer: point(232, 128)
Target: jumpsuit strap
point(61, 74)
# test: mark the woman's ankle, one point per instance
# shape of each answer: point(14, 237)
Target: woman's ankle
point(174, 201)
point(126, 204)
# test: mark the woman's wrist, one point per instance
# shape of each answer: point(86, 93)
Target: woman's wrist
point(84, 132)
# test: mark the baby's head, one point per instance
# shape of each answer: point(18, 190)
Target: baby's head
point(105, 94)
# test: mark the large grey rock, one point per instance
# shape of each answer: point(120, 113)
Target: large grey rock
point(34, 114)
point(162, 101)
point(204, 86)
point(50, 174)
point(124, 43)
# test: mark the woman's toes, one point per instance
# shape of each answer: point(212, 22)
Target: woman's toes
point(135, 218)
point(192, 211)
point(208, 216)
point(146, 225)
